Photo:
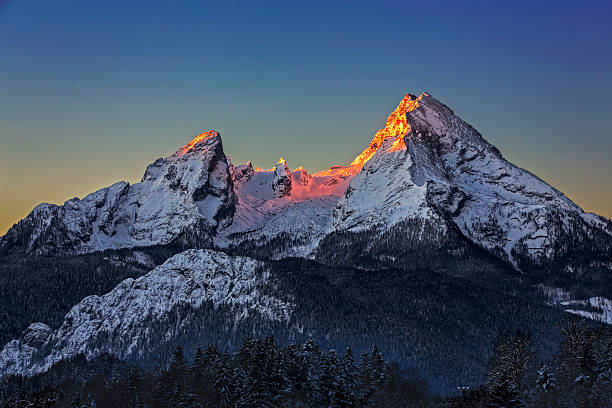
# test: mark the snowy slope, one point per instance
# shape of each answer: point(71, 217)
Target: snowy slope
point(189, 192)
point(596, 308)
point(279, 202)
point(120, 322)
point(599, 308)
point(425, 163)
point(428, 163)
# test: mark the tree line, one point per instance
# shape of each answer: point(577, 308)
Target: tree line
point(259, 374)
point(262, 373)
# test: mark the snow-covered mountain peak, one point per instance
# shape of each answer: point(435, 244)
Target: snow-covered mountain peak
point(396, 127)
point(424, 163)
point(185, 196)
point(428, 163)
point(282, 179)
point(243, 172)
point(202, 141)
point(301, 176)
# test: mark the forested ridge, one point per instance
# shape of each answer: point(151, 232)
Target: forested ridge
point(438, 322)
point(44, 288)
point(261, 373)
point(416, 317)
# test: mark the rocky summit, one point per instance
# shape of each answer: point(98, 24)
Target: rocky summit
point(427, 227)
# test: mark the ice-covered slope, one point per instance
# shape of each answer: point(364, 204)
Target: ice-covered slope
point(120, 322)
point(186, 195)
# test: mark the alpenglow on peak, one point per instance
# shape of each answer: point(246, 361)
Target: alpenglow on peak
point(397, 126)
point(202, 139)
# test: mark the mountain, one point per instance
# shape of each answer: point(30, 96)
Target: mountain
point(428, 244)
point(186, 196)
point(425, 164)
point(119, 322)
point(417, 317)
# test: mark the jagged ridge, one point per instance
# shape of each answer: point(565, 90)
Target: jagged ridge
point(119, 322)
point(424, 163)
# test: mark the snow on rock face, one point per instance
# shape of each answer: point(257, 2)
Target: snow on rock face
point(278, 202)
point(393, 182)
point(493, 202)
point(50, 228)
point(190, 186)
point(282, 179)
point(383, 193)
point(427, 162)
point(396, 128)
point(301, 177)
point(17, 353)
point(35, 334)
point(243, 172)
point(596, 308)
point(119, 322)
point(190, 191)
point(599, 309)
point(424, 163)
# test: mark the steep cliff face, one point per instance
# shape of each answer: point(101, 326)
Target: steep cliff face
point(427, 186)
point(190, 192)
point(427, 163)
point(16, 354)
point(187, 195)
point(282, 179)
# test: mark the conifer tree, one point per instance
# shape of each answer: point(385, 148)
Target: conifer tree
point(509, 368)
point(199, 365)
point(309, 368)
point(545, 390)
point(163, 390)
point(364, 376)
point(350, 374)
point(224, 383)
point(133, 388)
point(504, 394)
point(328, 380)
point(376, 368)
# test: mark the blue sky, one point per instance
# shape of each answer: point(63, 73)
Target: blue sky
point(94, 91)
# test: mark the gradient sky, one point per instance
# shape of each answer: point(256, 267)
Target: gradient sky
point(93, 91)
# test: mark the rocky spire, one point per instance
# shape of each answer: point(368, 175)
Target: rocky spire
point(396, 126)
point(282, 179)
point(201, 140)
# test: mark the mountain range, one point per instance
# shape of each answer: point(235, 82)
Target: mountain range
point(427, 244)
